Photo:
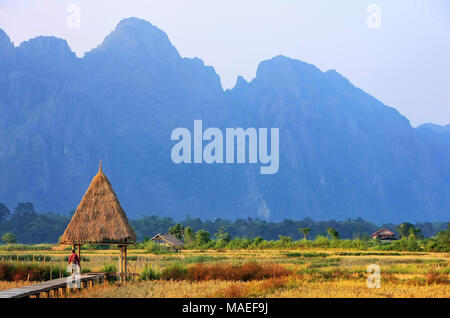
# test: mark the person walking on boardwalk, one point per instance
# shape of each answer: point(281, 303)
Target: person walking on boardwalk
point(74, 259)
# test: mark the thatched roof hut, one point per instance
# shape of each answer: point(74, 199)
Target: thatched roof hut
point(168, 239)
point(99, 219)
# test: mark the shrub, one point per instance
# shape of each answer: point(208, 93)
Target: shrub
point(437, 278)
point(235, 291)
point(322, 241)
point(244, 272)
point(149, 273)
point(109, 268)
point(250, 271)
point(32, 272)
point(175, 272)
point(272, 284)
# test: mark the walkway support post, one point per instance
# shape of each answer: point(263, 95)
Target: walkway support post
point(120, 264)
point(125, 261)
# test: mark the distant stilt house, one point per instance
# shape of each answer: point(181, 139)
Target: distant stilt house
point(100, 219)
point(169, 241)
point(384, 235)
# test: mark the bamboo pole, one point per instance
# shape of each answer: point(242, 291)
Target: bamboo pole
point(120, 264)
point(124, 266)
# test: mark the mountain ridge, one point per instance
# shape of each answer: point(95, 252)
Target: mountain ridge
point(343, 153)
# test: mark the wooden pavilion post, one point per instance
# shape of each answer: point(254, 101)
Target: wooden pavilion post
point(122, 261)
point(125, 261)
point(119, 269)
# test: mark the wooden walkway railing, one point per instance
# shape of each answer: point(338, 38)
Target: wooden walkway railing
point(52, 288)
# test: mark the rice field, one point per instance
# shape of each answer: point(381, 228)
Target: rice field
point(258, 273)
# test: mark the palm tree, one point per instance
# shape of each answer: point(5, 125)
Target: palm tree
point(305, 232)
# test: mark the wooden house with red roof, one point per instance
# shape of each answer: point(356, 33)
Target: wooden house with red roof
point(383, 234)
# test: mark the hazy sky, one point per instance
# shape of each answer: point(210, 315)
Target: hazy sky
point(405, 62)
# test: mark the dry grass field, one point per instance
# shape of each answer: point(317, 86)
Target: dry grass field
point(266, 273)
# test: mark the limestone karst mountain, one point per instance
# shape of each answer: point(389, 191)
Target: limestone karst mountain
point(343, 153)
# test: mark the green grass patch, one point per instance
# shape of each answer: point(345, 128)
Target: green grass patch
point(306, 255)
point(26, 247)
point(202, 259)
point(149, 273)
point(324, 263)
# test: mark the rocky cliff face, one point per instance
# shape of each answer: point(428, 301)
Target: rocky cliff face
point(342, 152)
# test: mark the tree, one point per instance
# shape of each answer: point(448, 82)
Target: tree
point(408, 230)
point(24, 209)
point(202, 237)
point(258, 240)
point(305, 231)
point(177, 230)
point(4, 212)
point(222, 235)
point(9, 238)
point(333, 233)
point(443, 237)
point(189, 236)
point(284, 239)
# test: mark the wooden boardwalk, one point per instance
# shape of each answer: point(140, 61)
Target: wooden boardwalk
point(52, 288)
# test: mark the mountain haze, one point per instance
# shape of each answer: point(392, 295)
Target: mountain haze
point(343, 153)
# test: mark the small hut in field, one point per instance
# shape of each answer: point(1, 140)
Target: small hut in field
point(100, 219)
point(168, 241)
point(384, 235)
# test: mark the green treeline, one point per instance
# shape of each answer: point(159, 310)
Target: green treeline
point(30, 227)
point(148, 226)
point(410, 240)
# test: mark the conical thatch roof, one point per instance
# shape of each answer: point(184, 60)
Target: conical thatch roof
point(99, 219)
